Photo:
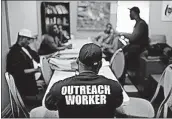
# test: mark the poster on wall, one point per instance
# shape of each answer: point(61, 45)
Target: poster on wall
point(166, 10)
point(92, 15)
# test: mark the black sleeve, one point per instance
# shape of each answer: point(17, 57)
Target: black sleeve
point(53, 97)
point(34, 54)
point(117, 93)
point(16, 62)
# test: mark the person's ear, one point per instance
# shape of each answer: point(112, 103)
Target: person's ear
point(77, 61)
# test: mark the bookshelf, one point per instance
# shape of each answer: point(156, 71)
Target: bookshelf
point(56, 13)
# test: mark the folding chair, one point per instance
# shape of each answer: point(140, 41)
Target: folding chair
point(46, 69)
point(15, 98)
point(166, 82)
point(18, 107)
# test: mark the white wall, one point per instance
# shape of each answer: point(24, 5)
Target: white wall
point(157, 26)
point(22, 14)
point(4, 89)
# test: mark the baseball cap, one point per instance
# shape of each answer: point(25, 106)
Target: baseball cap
point(90, 54)
point(26, 33)
point(135, 9)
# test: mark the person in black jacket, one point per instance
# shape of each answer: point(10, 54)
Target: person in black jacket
point(20, 65)
point(87, 95)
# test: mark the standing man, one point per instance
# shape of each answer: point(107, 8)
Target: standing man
point(87, 95)
point(139, 39)
point(140, 34)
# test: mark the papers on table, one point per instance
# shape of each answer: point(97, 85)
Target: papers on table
point(61, 64)
point(105, 63)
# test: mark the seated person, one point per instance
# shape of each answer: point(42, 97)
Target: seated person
point(104, 36)
point(20, 64)
point(108, 40)
point(87, 95)
point(51, 42)
point(63, 35)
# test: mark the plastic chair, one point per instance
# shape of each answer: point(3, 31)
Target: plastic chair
point(15, 98)
point(117, 65)
point(18, 105)
point(46, 69)
point(166, 82)
point(138, 107)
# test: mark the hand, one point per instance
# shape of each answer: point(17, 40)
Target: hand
point(69, 46)
point(38, 69)
point(121, 34)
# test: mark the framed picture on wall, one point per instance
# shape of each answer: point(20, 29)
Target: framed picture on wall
point(92, 15)
point(166, 10)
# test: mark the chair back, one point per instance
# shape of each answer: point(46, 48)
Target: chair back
point(166, 82)
point(15, 97)
point(46, 69)
point(117, 63)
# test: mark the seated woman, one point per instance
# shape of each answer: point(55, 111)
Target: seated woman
point(51, 42)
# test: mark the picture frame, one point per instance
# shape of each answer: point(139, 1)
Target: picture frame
point(166, 11)
point(92, 15)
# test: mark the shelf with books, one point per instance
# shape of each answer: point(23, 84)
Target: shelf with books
point(55, 13)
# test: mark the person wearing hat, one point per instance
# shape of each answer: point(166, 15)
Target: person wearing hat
point(138, 39)
point(21, 65)
point(87, 95)
point(140, 33)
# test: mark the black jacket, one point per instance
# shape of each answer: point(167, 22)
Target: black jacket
point(17, 61)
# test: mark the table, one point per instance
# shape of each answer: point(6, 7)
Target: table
point(105, 70)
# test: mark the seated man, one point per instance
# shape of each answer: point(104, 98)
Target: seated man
point(63, 35)
point(104, 36)
point(51, 42)
point(108, 41)
point(21, 65)
point(87, 94)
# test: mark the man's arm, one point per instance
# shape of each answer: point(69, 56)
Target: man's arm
point(53, 97)
point(117, 94)
point(33, 70)
point(136, 34)
point(54, 46)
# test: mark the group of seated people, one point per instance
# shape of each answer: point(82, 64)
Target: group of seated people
point(23, 64)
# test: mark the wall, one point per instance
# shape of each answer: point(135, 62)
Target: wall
point(4, 87)
point(157, 26)
point(85, 34)
point(22, 14)
point(73, 20)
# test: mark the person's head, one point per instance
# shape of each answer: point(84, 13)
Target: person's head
point(53, 29)
point(108, 28)
point(60, 27)
point(134, 13)
point(25, 37)
point(90, 58)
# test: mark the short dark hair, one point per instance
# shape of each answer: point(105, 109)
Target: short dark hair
point(135, 9)
point(108, 24)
